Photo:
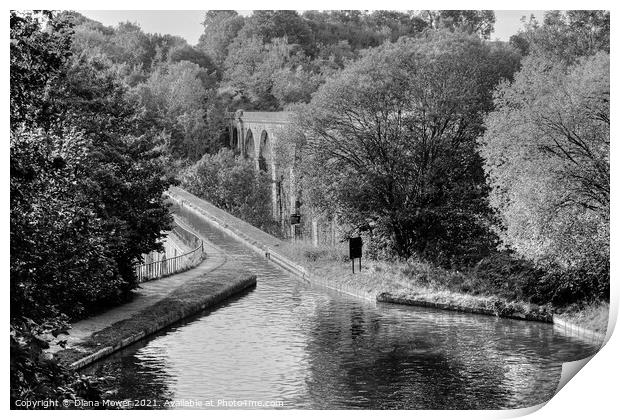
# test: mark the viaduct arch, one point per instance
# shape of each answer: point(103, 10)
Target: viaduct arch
point(254, 136)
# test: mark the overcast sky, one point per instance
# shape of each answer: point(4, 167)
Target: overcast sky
point(188, 23)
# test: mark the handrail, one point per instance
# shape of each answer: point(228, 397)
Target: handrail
point(186, 236)
point(167, 266)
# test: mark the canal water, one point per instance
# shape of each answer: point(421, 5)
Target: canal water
point(309, 347)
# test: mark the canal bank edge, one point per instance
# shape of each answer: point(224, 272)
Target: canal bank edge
point(210, 283)
point(573, 330)
point(175, 312)
point(270, 253)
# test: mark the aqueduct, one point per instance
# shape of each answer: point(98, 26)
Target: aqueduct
point(254, 135)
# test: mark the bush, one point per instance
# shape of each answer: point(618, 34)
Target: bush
point(73, 246)
point(562, 286)
point(37, 377)
point(234, 185)
point(508, 276)
point(324, 253)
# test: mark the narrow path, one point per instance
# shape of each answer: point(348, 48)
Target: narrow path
point(147, 295)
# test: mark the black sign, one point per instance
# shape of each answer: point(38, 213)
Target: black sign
point(355, 248)
point(295, 219)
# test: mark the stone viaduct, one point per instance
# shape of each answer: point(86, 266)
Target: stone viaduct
point(254, 135)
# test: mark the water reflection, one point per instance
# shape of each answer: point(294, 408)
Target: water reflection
point(137, 375)
point(313, 348)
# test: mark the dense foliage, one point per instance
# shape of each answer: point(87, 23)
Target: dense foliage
point(396, 134)
point(391, 141)
point(547, 158)
point(172, 86)
point(36, 63)
point(232, 183)
point(179, 100)
point(37, 377)
point(272, 59)
point(86, 193)
point(268, 60)
point(565, 35)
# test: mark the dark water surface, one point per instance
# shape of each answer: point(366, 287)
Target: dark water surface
point(313, 348)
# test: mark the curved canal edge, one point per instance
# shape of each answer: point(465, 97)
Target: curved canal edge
point(270, 247)
point(158, 320)
point(160, 304)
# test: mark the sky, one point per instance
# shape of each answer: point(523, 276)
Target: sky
point(188, 23)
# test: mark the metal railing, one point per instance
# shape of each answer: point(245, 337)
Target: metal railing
point(178, 263)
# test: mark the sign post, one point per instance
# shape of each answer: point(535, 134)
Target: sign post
point(295, 221)
point(355, 251)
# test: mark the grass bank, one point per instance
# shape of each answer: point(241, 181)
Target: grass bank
point(417, 282)
point(591, 315)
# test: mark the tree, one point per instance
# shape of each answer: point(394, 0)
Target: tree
point(107, 172)
point(126, 46)
point(252, 68)
point(232, 183)
point(546, 153)
point(287, 24)
point(181, 101)
point(221, 27)
point(193, 55)
point(294, 85)
point(396, 24)
point(85, 188)
point(131, 52)
point(55, 230)
point(565, 35)
point(86, 196)
point(395, 134)
point(332, 27)
point(243, 76)
point(332, 58)
point(36, 61)
point(470, 21)
point(130, 45)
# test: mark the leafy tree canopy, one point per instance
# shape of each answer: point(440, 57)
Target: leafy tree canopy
point(547, 157)
point(232, 183)
point(565, 35)
point(395, 133)
point(77, 153)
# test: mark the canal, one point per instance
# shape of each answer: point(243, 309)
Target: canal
point(310, 347)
